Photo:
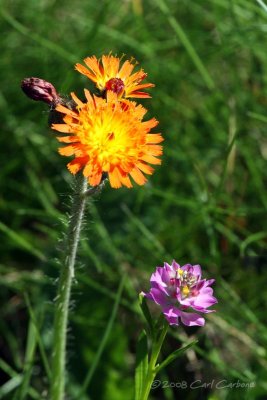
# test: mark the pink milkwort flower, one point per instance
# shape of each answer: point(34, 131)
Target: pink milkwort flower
point(180, 291)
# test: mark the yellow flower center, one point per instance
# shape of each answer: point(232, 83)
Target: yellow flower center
point(185, 290)
point(180, 273)
point(112, 136)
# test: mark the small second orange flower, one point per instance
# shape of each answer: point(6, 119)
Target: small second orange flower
point(107, 74)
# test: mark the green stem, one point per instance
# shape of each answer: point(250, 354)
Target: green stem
point(64, 290)
point(152, 368)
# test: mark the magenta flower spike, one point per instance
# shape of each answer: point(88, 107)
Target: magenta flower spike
point(180, 291)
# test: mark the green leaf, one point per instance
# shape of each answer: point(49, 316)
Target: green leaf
point(177, 353)
point(21, 241)
point(10, 385)
point(39, 338)
point(22, 392)
point(159, 325)
point(104, 339)
point(141, 365)
point(146, 312)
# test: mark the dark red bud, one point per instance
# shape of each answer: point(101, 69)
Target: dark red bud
point(40, 90)
point(116, 85)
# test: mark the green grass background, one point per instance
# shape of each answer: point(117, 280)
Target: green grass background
point(206, 204)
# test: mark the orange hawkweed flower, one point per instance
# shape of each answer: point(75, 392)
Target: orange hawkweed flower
point(108, 136)
point(108, 76)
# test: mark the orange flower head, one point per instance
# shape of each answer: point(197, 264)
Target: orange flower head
point(108, 76)
point(107, 136)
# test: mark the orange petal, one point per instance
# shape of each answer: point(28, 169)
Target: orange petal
point(93, 64)
point(83, 70)
point(145, 168)
point(137, 77)
point(126, 69)
point(139, 111)
point(138, 95)
point(144, 85)
point(71, 149)
point(111, 96)
point(114, 179)
point(124, 178)
point(126, 166)
point(151, 123)
point(69, 120)
point(67, 139)
point(76, 165)
point(88, 96)
point(150, 159)
point(66, 151)
point(91, 168)
point(154, 138)
point(66, 110)
point(138, 177)
point(61, 128)
point(110, 65)
point(77, 101)
point(95, 179)
point(154, 149)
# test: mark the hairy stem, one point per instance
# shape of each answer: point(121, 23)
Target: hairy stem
point(64, 289)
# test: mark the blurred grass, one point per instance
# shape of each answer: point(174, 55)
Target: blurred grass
point(206, 204)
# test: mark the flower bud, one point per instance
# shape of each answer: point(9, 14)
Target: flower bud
point(40, 90)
